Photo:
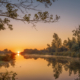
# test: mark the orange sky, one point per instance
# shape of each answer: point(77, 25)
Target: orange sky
point(25, 36)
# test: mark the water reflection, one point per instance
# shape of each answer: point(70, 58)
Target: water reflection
point(7, 64)
point(18, 54)
point(8, 76)
point(69, 64)
point(39, 67)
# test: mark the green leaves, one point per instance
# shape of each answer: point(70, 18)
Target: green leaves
point(18, 10)
point(56, 43)
point(5, 22)
point(10, 26)
point(76, 32)
point(11, 12)
point(45, 16)
point(27, 17)
point(47, 2)
point(40, 16)
point(2, 26)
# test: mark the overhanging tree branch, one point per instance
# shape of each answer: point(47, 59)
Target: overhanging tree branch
point(11, 11)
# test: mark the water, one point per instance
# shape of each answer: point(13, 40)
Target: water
point(43, 68)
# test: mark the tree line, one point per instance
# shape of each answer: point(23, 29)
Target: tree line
point(69, 47)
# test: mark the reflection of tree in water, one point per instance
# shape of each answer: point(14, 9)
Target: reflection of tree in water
point(7, 60)
point(12, 63)
point(30, 57)
point(7, 64)
point(75, 68)
point(57, 64)
point(8, 76)
point(69, 64)
point(78, 78)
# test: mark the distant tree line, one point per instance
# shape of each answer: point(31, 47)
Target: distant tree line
point(6, 51)
point(69, 47)
point(33, 51)
point(7, 55)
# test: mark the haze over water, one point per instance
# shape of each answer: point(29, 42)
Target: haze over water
point(43, 68)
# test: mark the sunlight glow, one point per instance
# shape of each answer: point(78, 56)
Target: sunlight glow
point(18, 52)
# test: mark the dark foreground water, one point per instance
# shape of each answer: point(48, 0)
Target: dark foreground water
point(43, 68)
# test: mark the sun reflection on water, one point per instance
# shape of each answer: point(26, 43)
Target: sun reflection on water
point(18, 54)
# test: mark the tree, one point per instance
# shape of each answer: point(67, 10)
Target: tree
point(5, 50)
point(75, 47)
point(65, 43)
point(11, 9)
point(49, 48)
point(56, 43)
point(76, 34)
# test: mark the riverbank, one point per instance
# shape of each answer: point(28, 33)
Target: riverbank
point(45, 56)
point(67, 54)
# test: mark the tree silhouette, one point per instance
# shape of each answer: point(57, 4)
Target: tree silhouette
point(12, 9)
point(56, 43)
point(76, 33)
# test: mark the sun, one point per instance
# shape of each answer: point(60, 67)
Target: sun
point(18, 52)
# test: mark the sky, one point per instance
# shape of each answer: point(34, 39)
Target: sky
point(24, 36)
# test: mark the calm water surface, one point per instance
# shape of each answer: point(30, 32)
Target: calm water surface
point(43, 68)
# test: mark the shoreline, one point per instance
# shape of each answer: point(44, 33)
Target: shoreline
point(36, 55)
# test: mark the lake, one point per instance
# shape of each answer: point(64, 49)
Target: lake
point(43, 68)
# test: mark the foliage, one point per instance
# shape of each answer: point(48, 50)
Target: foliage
point(10, 9)
point(56, 42)
point(49, 48)
point(75, 47)
point(76, 33)
point(70, 47)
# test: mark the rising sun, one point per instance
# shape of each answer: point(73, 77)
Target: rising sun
point(18, 53)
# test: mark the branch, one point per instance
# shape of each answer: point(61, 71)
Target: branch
point(11, 12)
point(26, 7)
point(19, 19)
